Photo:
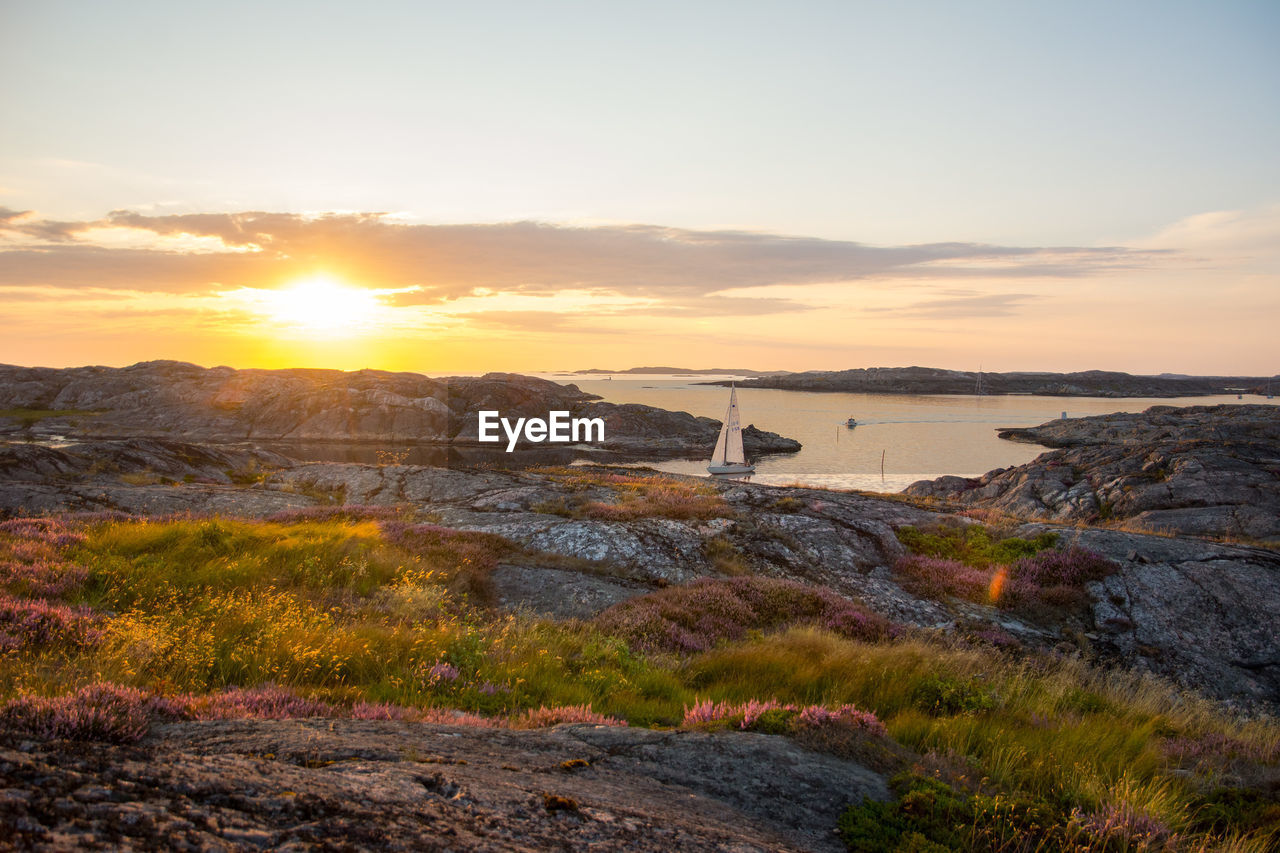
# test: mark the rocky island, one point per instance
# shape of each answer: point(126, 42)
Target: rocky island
point(678, 371)
point(1199, 470)
point(932, 380)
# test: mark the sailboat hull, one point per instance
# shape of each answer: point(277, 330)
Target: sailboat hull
point(731, 469)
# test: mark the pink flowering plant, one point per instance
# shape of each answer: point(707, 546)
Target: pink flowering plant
point(968, 562)
point(773, 717)
point(120, 714)
point(697, 616)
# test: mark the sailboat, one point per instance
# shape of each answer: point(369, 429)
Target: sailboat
point(729, 457)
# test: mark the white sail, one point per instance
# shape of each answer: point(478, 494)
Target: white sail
point(733, 453)
point(717, 455)
point(729, 445)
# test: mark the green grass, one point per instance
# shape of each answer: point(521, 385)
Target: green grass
point(973, 544)
point(348, 609)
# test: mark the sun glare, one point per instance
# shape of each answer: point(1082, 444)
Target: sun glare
point(323, 305)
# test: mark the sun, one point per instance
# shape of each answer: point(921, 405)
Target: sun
point(321, 304)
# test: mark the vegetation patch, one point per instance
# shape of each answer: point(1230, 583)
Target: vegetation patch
point(972, 544)
point(373, 618)
point(699, 615)
point(635, 496)
point(773, 717)
point(119, 714)
point(929, 816)
point(942, 695)
point(724, 557)
point(30, 417)
point(969, 563)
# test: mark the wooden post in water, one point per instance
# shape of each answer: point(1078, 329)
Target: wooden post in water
point(882, 452)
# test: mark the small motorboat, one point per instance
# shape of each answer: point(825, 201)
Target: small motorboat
point(851, 423)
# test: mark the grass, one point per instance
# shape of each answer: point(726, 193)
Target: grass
point(30, 417)
point(634, 496)
point(970, 562)
point(972, 544)
point(725, 558)
point(364, 614)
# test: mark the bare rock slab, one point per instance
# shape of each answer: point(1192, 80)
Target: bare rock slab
point(362, 785)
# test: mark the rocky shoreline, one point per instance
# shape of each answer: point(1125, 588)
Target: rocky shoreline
point(1198, 471)
point(930, 380)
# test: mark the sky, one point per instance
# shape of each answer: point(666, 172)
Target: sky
point(447, 187)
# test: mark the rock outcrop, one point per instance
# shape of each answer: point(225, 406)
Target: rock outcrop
point(361, 785)
point(173, 400)
point(1201, 470)
point(932, 380)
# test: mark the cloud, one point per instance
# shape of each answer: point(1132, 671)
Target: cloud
point(79, 266)
point(984, 305)
point(680, 269)
point(711, 306)
point(527, 321)
point(1232, 233)
point(24, 222)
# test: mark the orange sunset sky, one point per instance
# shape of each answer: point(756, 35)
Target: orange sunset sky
point(790, 186)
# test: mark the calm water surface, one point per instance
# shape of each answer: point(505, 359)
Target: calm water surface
point(920, 437)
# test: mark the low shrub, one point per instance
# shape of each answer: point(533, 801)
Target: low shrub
point(971, 544)
point(1237, 810)
point(724, 557)
point(42, 578)
point(926, 814)
point(119, 714)
point(945, 696)
point(50, 532)
point(1072, 567)
point(1121, 827)
point(33, 561)
point(698, 615)
point(1047, 578)
point(772, 717)
point(936, 577)
point(36, 623)
point(105, 712)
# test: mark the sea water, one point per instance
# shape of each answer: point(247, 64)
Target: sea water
point(918, 437)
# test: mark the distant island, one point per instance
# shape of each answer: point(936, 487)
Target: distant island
point(681, 371)
point(1088, 383)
